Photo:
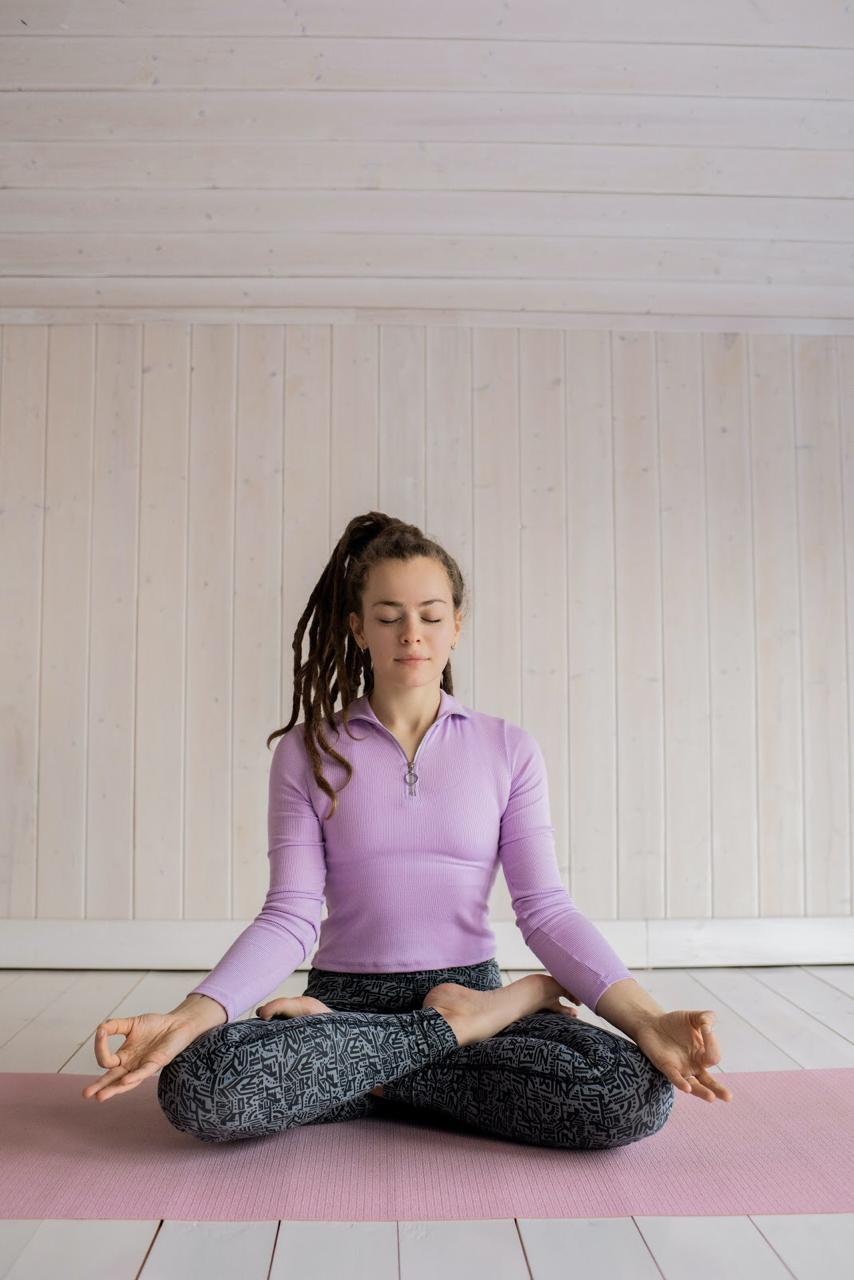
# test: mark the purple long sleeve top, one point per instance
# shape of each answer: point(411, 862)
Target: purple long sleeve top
point(407, 862)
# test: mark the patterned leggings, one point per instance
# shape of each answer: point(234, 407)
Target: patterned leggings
point(545, 1079)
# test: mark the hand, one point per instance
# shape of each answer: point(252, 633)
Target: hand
point(553, 993)
point(683, 1046)
point(151, 1040)
point(291, 1007)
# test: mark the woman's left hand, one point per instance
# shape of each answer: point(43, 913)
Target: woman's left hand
point(683, 1046)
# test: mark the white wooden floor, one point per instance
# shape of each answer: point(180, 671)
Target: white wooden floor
point(767, 1019)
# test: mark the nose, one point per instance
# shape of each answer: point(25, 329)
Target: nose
point(410, 631)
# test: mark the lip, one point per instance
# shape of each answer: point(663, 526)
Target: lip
point(411, 659)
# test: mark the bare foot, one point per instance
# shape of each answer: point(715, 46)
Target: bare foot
point(477, 1015)
point(291, 1007)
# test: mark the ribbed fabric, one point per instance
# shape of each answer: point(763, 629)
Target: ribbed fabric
point(407, 863)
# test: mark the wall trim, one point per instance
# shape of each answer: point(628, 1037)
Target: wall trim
point(660, 322)
point(199, 944)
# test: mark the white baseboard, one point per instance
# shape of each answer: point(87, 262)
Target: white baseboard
point(641, 944)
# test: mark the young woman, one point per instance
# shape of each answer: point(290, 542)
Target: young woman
point(401, 827)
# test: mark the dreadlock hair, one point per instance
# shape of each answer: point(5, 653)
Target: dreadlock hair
point(335, 663)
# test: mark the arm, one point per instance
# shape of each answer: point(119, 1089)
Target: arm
point(569, 945)
point(203, 1011)
point(287, 927)
point(628, 1006)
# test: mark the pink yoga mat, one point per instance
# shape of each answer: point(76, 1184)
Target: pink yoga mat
point(785, 1144)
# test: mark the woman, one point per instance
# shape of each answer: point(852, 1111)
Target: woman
point(404, 1004)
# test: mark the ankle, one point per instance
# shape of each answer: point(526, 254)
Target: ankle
point(460, 1025)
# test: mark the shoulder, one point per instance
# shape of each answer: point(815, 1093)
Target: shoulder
point(289, 753)
point(517, 745)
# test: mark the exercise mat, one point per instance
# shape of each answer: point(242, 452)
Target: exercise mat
point(783, 1145)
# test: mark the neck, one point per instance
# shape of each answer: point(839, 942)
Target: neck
point(409, 710)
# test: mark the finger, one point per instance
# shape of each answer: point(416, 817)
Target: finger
point(712, 1052)
point(719, 1090)
point(699, 1086)
point(103, 1052)
point(112, 1027)
point(688, 1083)
point(692, 1085)
point(103, 1081)
point(126, 1083)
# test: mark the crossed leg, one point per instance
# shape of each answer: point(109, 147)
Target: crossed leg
point(546, 1080)
point(255, 1077)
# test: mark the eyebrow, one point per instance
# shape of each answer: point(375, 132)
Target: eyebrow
point(399, 603)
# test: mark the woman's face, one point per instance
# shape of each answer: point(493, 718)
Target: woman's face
point(408, 612)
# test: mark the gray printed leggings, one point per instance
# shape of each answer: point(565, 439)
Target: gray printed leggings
point(545, 1079)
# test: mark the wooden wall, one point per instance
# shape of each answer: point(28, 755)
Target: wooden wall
point(570, 286)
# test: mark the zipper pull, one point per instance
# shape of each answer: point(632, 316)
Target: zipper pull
point(411, 777)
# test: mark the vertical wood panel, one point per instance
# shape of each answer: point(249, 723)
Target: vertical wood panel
point(732, 631)
point(685, 625)
point(845, 372)
point(109, 853)
point(210, 605)
point(402, 461)
point(23, 417)
point(354, 474)
point(308, 465)
point(497, 571)
point(162, 620)
point(257, 602)
point(778, 633)
point(449, 474)
point(827, 758)
point(543, 564)
point(640, 790)
point(61, 655)
point(591, 660)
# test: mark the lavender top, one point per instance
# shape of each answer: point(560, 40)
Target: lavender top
point(407, 862)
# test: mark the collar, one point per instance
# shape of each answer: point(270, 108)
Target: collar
point(361, 709)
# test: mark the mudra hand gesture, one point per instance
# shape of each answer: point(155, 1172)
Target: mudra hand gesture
point(683, 1046)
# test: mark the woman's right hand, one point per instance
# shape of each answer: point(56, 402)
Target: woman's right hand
point(151, 1040)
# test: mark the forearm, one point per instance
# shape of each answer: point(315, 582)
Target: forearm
point(625, 1004)
point(203, 1011)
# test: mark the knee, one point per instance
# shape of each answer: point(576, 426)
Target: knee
point(657, 1098)
point(646, 1105)
point(633, 1100)
point(186, 1088)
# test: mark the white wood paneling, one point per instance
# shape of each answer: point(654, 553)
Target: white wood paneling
point(828, 741)
point(732, 22)
point(572, 289)
point(779, 717)
point(654, 534)
point(732, 864)
point(175, 159)
point(684, 624)
point(475, 65)
point(161, 622)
